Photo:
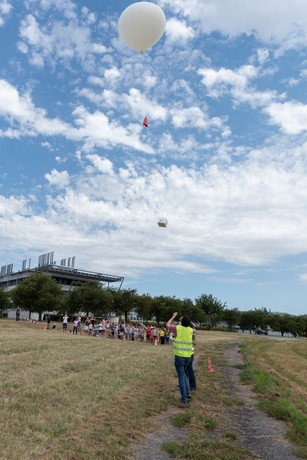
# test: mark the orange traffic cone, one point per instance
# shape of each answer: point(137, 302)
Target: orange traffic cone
point(209, 365)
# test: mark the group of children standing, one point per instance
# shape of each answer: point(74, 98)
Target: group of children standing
point(115, 330)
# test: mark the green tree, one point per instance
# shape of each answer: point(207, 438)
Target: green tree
point(143, 305)
point(212, 307)
point(301, 324)
point(231, 317)
point(195, 313)
point(274, 322)
point(247, 320)
point(90, 297)
point(3, 299)
point(287, 324)
point(124, 302)
point(38, 293)
point(162, 308)
point(255, 319)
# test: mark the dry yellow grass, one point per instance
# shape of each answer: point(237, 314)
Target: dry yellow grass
point(287, 360)
point(54, 385)
point(77, 397)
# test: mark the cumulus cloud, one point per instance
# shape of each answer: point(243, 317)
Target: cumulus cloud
point(96, 130)
point(59, 40)
point(58, 179)
point(194, 117)
point(178, 32)
point(17, 107)
point(5, 8)
point(251, 213)
point(112, 74)
point(222, 80)
point(291, 116)
point(93, 129)
point(283, 23)
point(12, 207)
point(103, 165)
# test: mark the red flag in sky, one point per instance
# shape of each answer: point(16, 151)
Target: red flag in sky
point(145, 122)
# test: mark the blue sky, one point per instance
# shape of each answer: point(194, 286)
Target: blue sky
point(223, 158)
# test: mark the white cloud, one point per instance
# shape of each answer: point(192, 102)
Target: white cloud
point(249, 213)
point(103, 165)
point(275, 21)
point(59, 179)
point(140, 105)
point(12, 207)
point(61, 41)
point(194, 117)
point(263, 55)
point(32, 120)
point(238, 83)
point(112, 74)
point(291, 116)
point(97, 81)
point(46, 145)
point(149, 81)
point(178, 32)
point(5, 8)
point(93, 129)
point(219, 81)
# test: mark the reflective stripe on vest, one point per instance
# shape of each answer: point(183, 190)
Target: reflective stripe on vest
point(182, 344)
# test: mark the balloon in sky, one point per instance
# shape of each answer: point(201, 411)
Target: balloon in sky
point(141, 25)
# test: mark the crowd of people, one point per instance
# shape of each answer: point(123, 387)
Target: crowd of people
point(90, 326)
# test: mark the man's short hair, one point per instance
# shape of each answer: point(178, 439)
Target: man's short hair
point(185, 321)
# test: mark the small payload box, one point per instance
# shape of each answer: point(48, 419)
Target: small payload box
point(162, 222)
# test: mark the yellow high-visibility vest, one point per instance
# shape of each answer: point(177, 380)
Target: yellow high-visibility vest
point(183, 343)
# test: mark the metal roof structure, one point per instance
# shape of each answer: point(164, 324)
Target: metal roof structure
point(70, 275)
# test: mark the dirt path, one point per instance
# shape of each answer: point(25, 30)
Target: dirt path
point(151, 447)
point(260, 434)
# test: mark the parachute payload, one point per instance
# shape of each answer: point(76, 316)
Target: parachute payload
point(141, 25)
point(162, 222)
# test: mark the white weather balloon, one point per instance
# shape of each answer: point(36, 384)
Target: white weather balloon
point(141, 25)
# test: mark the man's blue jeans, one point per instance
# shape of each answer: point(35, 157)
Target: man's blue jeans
point(181, 365)
point(191, 374)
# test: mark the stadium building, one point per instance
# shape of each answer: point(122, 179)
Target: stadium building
point(66, 275)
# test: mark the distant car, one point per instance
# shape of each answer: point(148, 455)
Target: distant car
point(261, 332)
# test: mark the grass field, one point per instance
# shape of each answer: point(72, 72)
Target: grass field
point(77, 397)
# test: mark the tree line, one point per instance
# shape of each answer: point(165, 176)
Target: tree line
point(40, 293)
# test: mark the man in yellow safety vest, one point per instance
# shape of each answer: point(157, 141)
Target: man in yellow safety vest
point(182, 349)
